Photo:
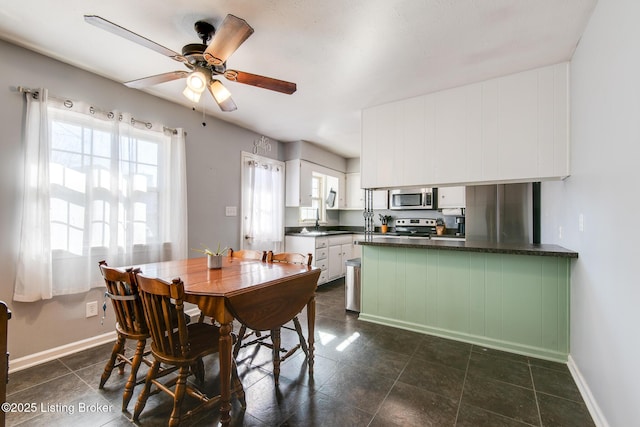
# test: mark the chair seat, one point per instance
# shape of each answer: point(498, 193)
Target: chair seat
point(203, 340)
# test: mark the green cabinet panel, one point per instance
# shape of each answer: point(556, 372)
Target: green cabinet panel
point(518, 303)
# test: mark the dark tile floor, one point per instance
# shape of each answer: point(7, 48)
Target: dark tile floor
point(365, 375)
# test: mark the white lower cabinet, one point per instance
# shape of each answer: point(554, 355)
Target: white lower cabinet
point(340, 250)
point(329, 253)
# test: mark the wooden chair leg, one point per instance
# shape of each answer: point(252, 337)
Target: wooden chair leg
point(178, 397)
point(133, 376)
point(118, 348)
point(236, 348)
point(144, 395)
point(275, 339)
point(303, 341)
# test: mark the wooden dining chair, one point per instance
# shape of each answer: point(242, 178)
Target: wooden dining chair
point(178, 345)
point(122, 290)
point(299, 301)
point(248, 254)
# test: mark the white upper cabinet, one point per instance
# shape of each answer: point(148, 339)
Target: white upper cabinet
point(451, 197)
point(356, 195)
point(298, 184)
point(512, 128)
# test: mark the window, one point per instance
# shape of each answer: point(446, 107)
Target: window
point(102, 193)
point(108, 190)
point(316, 211)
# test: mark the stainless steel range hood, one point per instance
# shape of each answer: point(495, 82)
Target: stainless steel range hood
point(502, 213)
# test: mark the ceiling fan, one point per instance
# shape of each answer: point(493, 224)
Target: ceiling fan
point(205, 61)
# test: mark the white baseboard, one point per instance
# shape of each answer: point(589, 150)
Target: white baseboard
point(25, 362)
point(587, 396)
point(57, 352)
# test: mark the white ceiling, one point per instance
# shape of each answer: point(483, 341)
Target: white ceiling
point(343, 55)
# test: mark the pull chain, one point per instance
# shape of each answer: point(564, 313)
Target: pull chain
point(203, 117)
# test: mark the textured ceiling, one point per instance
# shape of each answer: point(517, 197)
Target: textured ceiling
point(343, 55)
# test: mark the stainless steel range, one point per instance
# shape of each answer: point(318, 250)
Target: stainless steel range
point(415, 227)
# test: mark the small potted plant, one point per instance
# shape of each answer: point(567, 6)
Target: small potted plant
point(385, 219)
point(214, 258)
point(440, 227)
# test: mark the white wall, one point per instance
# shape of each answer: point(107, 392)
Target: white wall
point(213, 180)
point(603, 188)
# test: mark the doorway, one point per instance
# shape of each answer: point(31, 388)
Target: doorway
point(262, 203)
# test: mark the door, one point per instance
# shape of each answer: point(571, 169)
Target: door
point(262, 203)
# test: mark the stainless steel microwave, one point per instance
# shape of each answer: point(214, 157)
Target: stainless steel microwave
point(412, 198)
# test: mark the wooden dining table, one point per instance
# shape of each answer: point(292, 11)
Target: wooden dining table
point(262, 295)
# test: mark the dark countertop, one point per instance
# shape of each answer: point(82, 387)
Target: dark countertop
point(472, 246)
point(321, 233)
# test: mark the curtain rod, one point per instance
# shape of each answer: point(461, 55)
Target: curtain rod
point(23, 89)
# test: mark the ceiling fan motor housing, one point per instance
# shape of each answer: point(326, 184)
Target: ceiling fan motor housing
point(193, 53)
point(205, 31)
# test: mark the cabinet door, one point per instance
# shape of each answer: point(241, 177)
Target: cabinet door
point(300, 244)
point(355, 194)
point(342, 192)
point(380, 199)
point(335, 261)
point(451, 197)
point(306, 184)
point(298, 183)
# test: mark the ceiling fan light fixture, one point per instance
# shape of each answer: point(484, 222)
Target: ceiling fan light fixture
point(191, 95)
point(222, 96)
point(197, 81)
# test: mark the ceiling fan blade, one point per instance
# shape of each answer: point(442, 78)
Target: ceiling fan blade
point(221, 95)
point(261, 81)
point(229, 36)
point(157, 79)
point(129, 35)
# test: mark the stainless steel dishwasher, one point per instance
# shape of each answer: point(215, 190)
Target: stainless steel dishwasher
point(352, 285)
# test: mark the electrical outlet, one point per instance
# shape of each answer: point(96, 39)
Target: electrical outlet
point(231, 211)
point(560, 232)
point(92, 308)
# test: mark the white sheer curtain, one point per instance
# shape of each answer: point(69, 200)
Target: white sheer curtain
point(33, 270)
point(97, 186)
point(263, 203)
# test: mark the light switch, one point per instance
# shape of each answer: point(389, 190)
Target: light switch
point(231, 211)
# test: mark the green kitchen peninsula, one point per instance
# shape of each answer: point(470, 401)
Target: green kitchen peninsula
point(511, 297)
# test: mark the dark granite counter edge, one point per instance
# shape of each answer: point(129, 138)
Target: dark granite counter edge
point(485, 247)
